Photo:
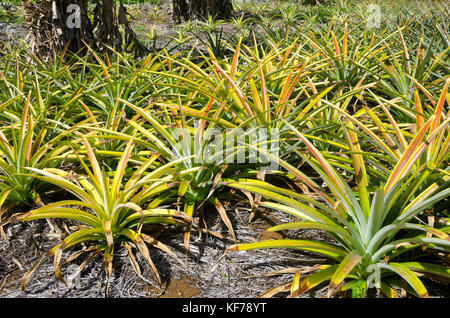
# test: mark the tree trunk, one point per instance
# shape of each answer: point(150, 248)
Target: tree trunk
point(180, 11)
point(200, 9)
point(55, 24)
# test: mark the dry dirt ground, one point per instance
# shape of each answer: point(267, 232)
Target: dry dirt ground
point(206, 274)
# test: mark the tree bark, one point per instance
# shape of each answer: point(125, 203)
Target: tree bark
point(52, 27)
point(185, 10)
point(180, 11)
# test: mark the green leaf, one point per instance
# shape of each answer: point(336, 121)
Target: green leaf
point(315, 279)
point(409, 276)
point(326, 249)
point(61, 213)
point(428, 268)
point(330, 228)
point(345, 267)
point(377, 214)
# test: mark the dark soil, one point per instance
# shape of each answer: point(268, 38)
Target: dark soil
point(206, 274)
